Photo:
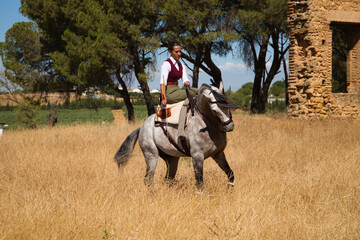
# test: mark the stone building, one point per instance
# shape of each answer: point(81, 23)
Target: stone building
point(310, 58)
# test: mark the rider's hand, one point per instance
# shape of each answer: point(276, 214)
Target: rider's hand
point(187, 83)
point(163, 102)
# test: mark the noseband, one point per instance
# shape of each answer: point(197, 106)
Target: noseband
point(228, 121)
point(230, 117)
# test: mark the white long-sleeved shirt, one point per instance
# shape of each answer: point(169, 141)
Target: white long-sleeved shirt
point(166, 68)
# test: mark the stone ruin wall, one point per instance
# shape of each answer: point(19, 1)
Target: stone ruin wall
point(310, 71)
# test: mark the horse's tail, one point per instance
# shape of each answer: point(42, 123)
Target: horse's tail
point(123, 154)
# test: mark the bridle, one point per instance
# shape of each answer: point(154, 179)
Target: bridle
point(230, 117)
point(223, 124)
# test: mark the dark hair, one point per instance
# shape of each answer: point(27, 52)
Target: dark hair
point(171, 46)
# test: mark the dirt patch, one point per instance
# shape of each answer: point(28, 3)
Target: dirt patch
point(119, 117)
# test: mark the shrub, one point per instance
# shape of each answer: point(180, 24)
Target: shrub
point(71, 116)
point(276, 106)
point(65, 117)
point(27, 113)
point(140, 112)
point(242, 97)
point(93, 104)
point(7, 107)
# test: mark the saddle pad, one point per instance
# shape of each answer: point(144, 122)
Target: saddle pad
point(175, 113)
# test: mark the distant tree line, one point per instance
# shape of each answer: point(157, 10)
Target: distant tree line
point(242, 97)
point(75, 44)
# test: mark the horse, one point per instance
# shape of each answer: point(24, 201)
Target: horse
point(206, 132)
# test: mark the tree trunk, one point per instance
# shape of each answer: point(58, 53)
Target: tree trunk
point(286, 81)
point(52, 118)
point(210, 68)
point(195, 78)
point(147, 96)
point(139, 68)
point(260, 91)
point(199, 53)
point(260, 104)
point(125, 95)
point(215, 71)
point(257, 100)
point(140, 73)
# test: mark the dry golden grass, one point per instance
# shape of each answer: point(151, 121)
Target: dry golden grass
point(294, 180)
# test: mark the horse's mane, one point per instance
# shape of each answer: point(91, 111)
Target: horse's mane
point(221, 99)
point(204, 87)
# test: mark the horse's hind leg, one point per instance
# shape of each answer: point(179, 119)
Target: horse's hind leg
point(151, 160)
point(198, 163)
point(171, 164)
point(220, 159)
point(151, 155)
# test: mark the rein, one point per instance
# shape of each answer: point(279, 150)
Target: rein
point(191, 100)
point(228, 121)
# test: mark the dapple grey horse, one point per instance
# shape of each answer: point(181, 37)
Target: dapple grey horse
point(206, 137)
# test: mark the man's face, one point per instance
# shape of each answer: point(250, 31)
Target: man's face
point(176, 53)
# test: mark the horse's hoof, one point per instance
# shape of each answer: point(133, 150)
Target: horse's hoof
point(231, 184)
point(171, 182)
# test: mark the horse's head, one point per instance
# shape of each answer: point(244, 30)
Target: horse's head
point(219, 105)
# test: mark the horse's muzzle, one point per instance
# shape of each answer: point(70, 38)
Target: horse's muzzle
point(228, 127)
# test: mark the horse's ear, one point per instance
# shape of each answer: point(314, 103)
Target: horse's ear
point(221, 88)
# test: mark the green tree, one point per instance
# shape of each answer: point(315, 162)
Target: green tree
point(197, 26)
point(138, 28)
point(27, 111)
point(262, 26)
point(22, 57)
point(94, 56)
point(278, 88)
point(94, 43)
point(242, 97)
point(28, 106)
point(26, 69)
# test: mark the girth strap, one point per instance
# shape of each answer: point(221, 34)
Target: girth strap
point(186, 150)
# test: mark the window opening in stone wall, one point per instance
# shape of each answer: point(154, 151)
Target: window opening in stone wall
point(339, 58)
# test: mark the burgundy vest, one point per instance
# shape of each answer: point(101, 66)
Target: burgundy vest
point(174, 74)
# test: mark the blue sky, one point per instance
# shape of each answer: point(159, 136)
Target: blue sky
point(234, 71)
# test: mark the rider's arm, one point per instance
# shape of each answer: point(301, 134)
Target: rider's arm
point(163, 95)
point(184, 76)
point(164, 72)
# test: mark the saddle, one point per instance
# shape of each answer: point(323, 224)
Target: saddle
point(176, 114)
point(170, 114)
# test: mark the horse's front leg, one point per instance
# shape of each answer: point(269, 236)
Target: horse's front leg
point(220, 159)
point(198, 163)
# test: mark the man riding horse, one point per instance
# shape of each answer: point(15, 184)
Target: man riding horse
point(171, 71)
point(205, 129)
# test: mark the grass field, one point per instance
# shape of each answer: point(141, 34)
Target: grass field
point(294, 180)
point(140, 112)
point(65, 117)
